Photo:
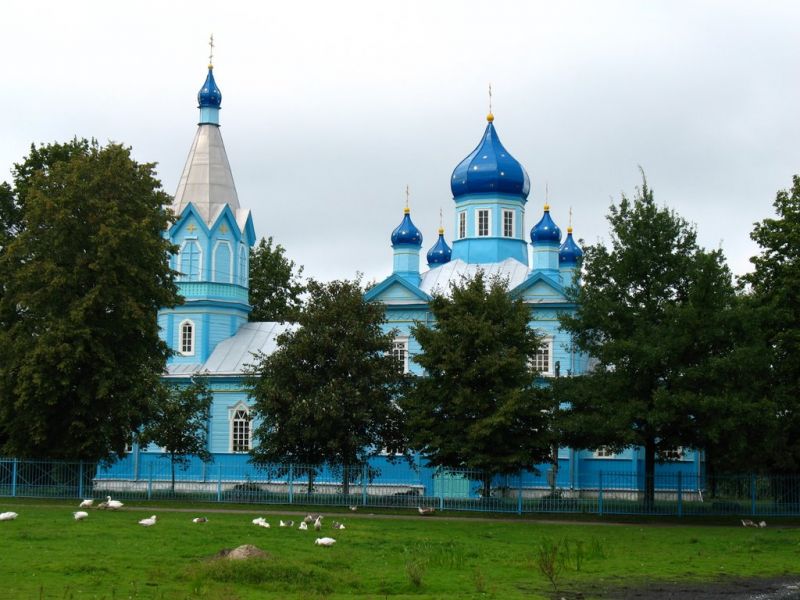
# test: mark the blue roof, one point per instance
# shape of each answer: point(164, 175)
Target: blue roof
point(407, 232)
point(546, 230)
point(209, 95)
point(570, 252)
point(490, 169)
point(440, 252)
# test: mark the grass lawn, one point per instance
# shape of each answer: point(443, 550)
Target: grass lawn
point(46, 554)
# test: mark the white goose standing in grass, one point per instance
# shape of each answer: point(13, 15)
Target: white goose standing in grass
point(325, 541)
point(8, 516)
point(113, 504)
point(88, 503)
point(318, 524)
point(80, 515)
point(148, 522)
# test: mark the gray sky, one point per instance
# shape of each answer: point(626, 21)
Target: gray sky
point(330, 108)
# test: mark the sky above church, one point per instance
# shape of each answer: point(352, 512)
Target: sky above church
point(331, 108)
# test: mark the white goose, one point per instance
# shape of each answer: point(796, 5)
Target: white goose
point(113, 504)
point(80, 515)
point(303, 526)
point(86, 503)
point(318, 524)
point(148, 522)
point(325, 541)
point(8, 516)
point(258, 520)
point(200, 520)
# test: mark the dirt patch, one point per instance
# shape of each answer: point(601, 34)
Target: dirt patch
point(241, 553)
point(777, 588)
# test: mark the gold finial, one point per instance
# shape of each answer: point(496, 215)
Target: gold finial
point(407, 210)
point(211, 52)
point(569, 228)
point(490, 116)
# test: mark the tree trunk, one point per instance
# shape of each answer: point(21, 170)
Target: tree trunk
point(310, 489)
point(172, 469)
point(487, 487)
point(554, 474)
point(346, 480)
point(649, 473)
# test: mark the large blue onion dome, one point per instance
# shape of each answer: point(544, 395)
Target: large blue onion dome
point(440, 252)
point(490, 169)
point(570, 252)
point(546, 230)
point(407, 232)
point(209, 95)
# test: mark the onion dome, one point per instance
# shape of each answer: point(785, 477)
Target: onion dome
point(209, 95)
point(546, 230)
point(440, 252)
point(407, 232)
point(490, 169)
point(570, 252)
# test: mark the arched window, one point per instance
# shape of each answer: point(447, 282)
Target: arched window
point(240, 428)
point(222, 265)
point(243, 273)
point(190, 261)
point(187, 338)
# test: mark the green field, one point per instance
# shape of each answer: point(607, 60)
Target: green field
point(46, 554)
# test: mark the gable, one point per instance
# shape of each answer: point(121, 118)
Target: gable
point(396, 290)
point(540, 288)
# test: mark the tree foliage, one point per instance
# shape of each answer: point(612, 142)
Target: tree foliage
point(476, 406)
point(654, 311)
point(84, 272)
point(179, 423)
point(275, 287)
point(327, 394)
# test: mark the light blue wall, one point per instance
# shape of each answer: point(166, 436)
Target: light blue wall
point(495, 247)
point(406, 262)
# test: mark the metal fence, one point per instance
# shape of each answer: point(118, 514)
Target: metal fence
point(391, 485)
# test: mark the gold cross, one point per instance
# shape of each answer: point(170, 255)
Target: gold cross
point(223, 228)
point(570, 217)
point(407, 194)
point(211, 51)
point(490, 98)
point(191, 228)
point(440, 217)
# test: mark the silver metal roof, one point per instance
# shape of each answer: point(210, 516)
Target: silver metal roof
point(233, 355)
point(207, 181)
point(438, 280)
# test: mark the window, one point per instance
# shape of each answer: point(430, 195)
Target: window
point(508, 223)
point(672, 454)
point(483, 222)
point(222, 268)
point(541, 361)
point(190, 261)
point(243, 256)
point(240, 429)
point(604, 452)
point(462, 225)
point(187, 338)
point(400, 353)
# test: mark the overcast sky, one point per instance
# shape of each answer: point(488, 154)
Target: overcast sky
point(331, 108)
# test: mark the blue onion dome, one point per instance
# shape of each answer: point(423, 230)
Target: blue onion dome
point(490, 169)
point(407, 232)
point(440, 252)
point(570, 252)
point(209, 95)
point(546, 230)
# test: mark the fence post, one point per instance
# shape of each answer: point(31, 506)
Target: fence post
point(600, 493)
point(149, 480)
point(291, 484)
point(519, 493)
point(14, 478)
point(219, 484)
point(753, 494)
point(364, 475)
point(441, 493)
point(80, 479)
point(680, 494)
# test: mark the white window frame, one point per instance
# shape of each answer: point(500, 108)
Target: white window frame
point(183, 276)
point(214, 276)
point(478, 212)
point(547, 343)
point(507, 212)
point(673, 454)
point(192, 341)
point(604, 452)
point(232, 429)
point(399, 345)
point(244, 257)
point(462, 224)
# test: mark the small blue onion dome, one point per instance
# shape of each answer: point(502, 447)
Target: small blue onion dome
point(209, 95)
point(490, 169)
point(546, 230)
point(570, 252)
point(440, 252)
point(407, 232)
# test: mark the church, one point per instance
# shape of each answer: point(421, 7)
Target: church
point(210, 334)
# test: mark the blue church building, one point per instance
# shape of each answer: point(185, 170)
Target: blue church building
point(210, 334)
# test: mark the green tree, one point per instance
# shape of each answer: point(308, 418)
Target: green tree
point(653, 311)
point(84, 273)
point(328, 393)
point(477, 406)
point(179, 423)
point(773, 297)
point(275, 287)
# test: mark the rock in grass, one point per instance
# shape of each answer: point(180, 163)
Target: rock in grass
point(242, 553)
